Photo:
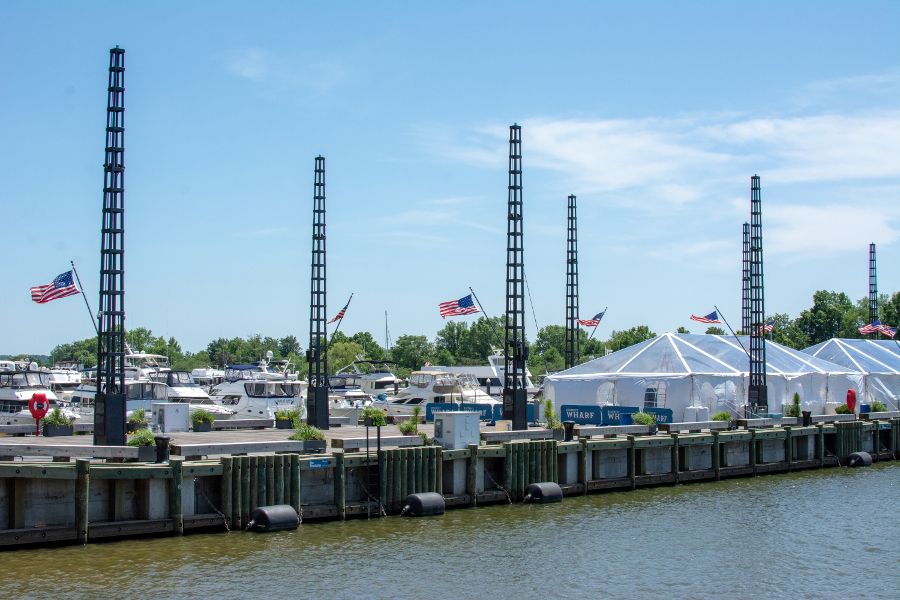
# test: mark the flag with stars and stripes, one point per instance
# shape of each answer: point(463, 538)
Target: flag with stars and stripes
point(453, 308)
point(60, 287)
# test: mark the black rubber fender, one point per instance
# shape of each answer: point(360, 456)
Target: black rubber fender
point(273, 518)
point(424, 504)
point(860, 459)
point(543, 493)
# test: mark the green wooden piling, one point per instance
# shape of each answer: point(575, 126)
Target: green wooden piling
point(752, 445)
point(261, 481)
point(286, 478)
point(397, 483)
point(236, 487)
point(387, 478)
point(270, 480)
point(254, 483)
point(632, 464)
point(676, 462)
point(295, 492)
point(226, 486)
point(176, 506)
point(472, 475)
point(523, 469)
point(788, 448)
point(716, 454)
point(439, 469)
point(420, 476)
point(246, 500)
point(82, 497)
point(278, 475)
point(508, 471)
point(410, 471)
point(340, 485)
point(582, 466)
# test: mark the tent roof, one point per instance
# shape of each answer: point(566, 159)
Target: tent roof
point(685, 353)
point(868, 356)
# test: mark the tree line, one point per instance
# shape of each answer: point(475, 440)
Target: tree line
point(832, 314)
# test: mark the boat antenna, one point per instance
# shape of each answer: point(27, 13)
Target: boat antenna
point(86, 303)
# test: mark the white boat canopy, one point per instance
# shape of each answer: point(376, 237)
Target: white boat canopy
point(879, 360)
point(679, 370)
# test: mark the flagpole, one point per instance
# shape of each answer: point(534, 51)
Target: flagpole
point(490, 322)
point(341, 320)
point(81, 289)
point(597, 325)
point(731, 330)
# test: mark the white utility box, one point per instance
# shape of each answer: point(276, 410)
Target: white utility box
point(696, 414)
point(456, 430)
point(172, 417)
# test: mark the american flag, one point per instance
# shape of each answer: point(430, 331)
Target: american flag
point(341, 312)
point(768, 327)
point(593, 321)
point(871, 327)
point(888, 330)
point(712, 317)
point(60, 287)
point(452, 308)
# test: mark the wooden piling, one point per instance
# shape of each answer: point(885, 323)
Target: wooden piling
point(295, 488)
point(397, 477)
point(471, 475)
point(716, 455)
point(261, 481)
point(176, 504)
point(246, 499)
point(270, 480)
point(236, 487)
point(340, 485)
point(254, 483)
point(82, 498)
point(752, 445)
point(676, 466)
point(582, 466)
point(226, 487)
point(788, 448)
point(278, 479)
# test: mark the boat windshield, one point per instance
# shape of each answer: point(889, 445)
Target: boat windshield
point(467, 380)
point(25, 380)
point(145, 391)
point(181, 379)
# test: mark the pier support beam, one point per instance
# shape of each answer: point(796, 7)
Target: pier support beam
point(176, 502)
point(82, 495)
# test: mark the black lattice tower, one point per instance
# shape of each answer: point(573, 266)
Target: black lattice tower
point(516, 353)
point(873, 289)
point(109, 407)
point(745, 283)
point(571, 348)
point(757, 397)
point(317, 355)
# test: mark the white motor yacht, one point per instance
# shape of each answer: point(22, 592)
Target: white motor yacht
point(436, 387)
point(17, 386)
point(376, 377)
point(65, 376)
point(140, 392)
point(489, 377)
point(182, 388)
point(257, 391)
point(207, 378)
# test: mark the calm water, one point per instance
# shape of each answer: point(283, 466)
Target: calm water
point(832, 534)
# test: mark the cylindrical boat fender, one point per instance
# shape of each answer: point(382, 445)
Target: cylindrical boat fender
point(273, 518)
point(425, 504)
point(860, 459)
point(544, 492)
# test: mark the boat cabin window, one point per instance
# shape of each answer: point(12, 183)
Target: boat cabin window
point(26, 379)
point(180, 379)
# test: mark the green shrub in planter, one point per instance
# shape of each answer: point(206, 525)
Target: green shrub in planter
point(142, 437)
point(794, 409)
point(722, 416)
point(550, 417)
point(409, 427)
point(642, 418)
point(287, 418)
point(306, 432)
point(843, 409)
point(56, 423)
point(137, 420)
point(376, 414)
point(202, 420)
point(877, 406)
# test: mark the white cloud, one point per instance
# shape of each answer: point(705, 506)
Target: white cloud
point(287, 72)
point(825, 230)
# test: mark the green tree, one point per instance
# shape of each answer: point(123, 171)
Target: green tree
point(786, 332)
point(341, 354)
point(484, 335)
point(412, 351)
point(454, 338)
point(889, 307)
point(832, 314)
point(682, 330)
point(629, 337)
point(288, 345)
point(371, 349)
point(715, 331)
point(83, 351)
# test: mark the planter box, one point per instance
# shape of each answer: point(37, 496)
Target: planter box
point(58, 430)
point(146, 453)
point(200, 427)
point(314, 447)
point(284, 424)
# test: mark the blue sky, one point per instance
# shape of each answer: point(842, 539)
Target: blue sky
point(655, 114)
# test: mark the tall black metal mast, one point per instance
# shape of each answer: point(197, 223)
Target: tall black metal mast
point(109, 407)
point(873, 289)
point(571, 348)
point(317, 355)
point(757, 397)
point(745, 283)
point(515, 354)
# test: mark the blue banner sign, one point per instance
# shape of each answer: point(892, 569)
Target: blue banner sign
point(319, 463)
point(484, 410)
point(663, 415)
point(582, 415)
point(617, 415)
point(529, 412)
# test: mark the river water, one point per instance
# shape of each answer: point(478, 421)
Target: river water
point(814, 534)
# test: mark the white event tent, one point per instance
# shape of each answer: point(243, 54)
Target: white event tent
point(676, 370)
point(879, 360)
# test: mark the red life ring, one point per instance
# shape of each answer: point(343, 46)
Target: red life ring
point(39, 405)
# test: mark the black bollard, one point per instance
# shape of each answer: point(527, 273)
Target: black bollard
point(162, 448)
point(569, 427)
point(807, 417)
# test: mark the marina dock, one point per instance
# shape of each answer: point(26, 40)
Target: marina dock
point(213, 481)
